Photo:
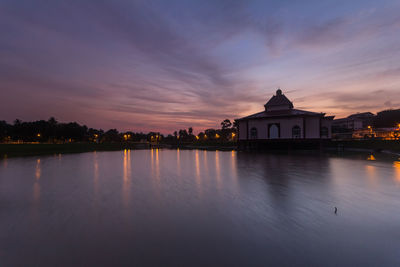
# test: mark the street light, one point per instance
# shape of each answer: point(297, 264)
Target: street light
point(370, 129)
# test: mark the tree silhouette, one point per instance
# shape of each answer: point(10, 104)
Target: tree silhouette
point(225, 124)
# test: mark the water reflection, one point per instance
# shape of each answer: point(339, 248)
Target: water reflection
point(197, 166)
point(371, 171)
point(155, 170)
point(178, 162)
point(256, 208)
point(234, 167)
point(36, 190)
point(95, 173)
point(5, 161)
point(396, 166)
point(157, 166)
point(38, 170)
point(217, 169)
point(126, 176)
point(205, 162)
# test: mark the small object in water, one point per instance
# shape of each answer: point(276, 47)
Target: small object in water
point(335, 210)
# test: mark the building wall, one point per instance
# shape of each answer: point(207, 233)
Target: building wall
point(261, 126)
point(281, 107)
point(312, 127)
point(328, 124)
point(349, 123)
point(286, 126)
point(242, 130)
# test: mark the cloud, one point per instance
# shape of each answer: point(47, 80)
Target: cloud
point(151, 65)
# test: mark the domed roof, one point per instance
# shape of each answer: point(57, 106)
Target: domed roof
point(279, 100)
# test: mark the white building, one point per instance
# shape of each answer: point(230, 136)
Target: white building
point(353, 122)
point(280, 120)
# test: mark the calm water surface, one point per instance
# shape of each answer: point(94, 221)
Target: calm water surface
point(199, 208)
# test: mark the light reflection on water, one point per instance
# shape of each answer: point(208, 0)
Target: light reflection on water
point(197, 166)
point(205, 208)
point(396, 165)
point(36, 185)
point(5, 161)
point(126, 176)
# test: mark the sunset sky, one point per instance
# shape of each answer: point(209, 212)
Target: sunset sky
point(166, 65)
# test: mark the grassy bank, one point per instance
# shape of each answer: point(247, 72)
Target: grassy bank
point(18, 150)
point(204, 145)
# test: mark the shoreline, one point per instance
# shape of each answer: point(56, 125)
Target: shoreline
point(26, 150)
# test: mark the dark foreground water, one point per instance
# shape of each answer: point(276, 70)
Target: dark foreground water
point(199, 208)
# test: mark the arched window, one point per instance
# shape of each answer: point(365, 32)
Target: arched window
point(296, 132)
point(253, 133)
point(273, 131)
point(324, 132)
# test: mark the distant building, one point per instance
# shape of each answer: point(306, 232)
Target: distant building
point(280, 121)
point(392, 133)
point(353, 122)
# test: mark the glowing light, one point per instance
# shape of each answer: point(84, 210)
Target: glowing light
point(197, 137)
point(125, 136)
point(205, 136)
point(39, 135)
point(233, 135)
point(371, 157)
point(216, 135)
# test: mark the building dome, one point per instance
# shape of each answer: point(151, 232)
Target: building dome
point(278, 102)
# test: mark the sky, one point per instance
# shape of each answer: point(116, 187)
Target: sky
point(168, 65)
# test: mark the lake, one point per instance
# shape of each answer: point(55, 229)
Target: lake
point(199, 208)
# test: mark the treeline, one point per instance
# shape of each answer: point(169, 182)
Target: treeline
point(227, 133)
point(52, 131)
point(387, 118)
